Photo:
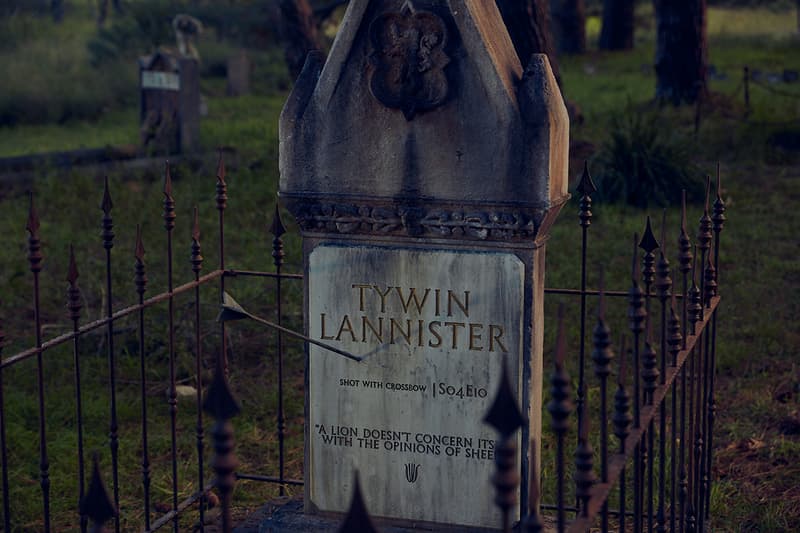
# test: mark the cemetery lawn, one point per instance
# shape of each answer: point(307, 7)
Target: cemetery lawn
point(757, 441)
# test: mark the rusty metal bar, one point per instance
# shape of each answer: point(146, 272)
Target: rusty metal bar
point(505, 417)
point(704, 238)
point(277, 229)
point(221, 199)
point(650, 376)
point(252, 273)
point(694, 310)
point(622, 422)
point(685, 258)
point(221, 404)
point(35, 258)
point(586, 188)
point(637, 316)
point(172, 399)
point(91, 326)
point(664, 290)
point(140, 280)
point(584, 467)
point(232, 311)
point(197, 265)
point(718, 219)
point(269, 479)
point(97, 504)
point(649, 245)
point(601, 491)
point(560, 408)
point(675, 340)
point(113, 425)
point(602, 356)
point(74, 312)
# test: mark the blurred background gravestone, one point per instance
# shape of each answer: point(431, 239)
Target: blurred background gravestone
point(170, 101)
point(238, 72)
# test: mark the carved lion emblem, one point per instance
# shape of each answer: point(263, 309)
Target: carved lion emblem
point(409, 59)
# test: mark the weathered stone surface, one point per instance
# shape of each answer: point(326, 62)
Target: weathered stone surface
point(436, 329)
point(421, 157)
point(425, 103)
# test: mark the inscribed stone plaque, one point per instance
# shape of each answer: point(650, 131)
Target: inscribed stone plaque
point(437, 326)
point(166, 81)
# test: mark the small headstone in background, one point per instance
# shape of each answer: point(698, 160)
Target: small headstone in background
point(238, 74)
point(790, 76)
point(169, 115)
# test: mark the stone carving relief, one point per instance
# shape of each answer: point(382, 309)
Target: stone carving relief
point(415, 221)
point(408, 60)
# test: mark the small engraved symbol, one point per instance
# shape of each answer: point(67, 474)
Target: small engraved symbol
point(412, 471)
point(408, 59)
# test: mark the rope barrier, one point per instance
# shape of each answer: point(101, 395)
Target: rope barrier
point(773, 90)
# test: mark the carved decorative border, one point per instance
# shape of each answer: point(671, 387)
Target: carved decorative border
point(412, 221)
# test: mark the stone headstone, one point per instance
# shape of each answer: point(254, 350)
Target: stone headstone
point(169, 115)
point(238, 67)
point(424, 167)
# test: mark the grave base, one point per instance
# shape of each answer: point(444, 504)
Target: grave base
point(289, 518)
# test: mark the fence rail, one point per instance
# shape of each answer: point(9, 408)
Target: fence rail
point(661, 415)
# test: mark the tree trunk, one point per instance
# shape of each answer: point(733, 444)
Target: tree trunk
point(299, 33)
point(57, 10)
point(681, 50)
point(102, 12)
point(528, 23)
point(569, 17)
point(617, 30)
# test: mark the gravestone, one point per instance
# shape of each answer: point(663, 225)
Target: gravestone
point(169, 112)
point(238, 74)
point(424, 167)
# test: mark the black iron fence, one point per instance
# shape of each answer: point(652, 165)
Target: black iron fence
point(653, 474)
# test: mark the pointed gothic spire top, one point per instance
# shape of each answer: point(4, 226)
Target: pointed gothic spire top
point(648, 243)
point(504, 414)
point(277, 228)
point(96, 503)
point(72, 271)
point(586, 186)
point(196, 226)
point(220, 167)
point(167, 181)
point(357, 519)
point(138, 251)
point(106, 205)
point(33, 218)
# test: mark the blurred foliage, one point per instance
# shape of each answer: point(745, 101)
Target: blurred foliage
point(644, 163)
point(148, 24)
point(44, 82)
point(92, 71)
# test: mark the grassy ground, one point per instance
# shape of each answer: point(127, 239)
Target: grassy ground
point(758, 448)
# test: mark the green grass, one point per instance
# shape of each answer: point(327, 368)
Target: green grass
point(756, 468)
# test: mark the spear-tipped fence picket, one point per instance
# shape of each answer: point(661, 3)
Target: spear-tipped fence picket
point(654, 474)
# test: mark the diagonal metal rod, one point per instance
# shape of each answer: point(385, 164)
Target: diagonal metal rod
point(233, 311)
